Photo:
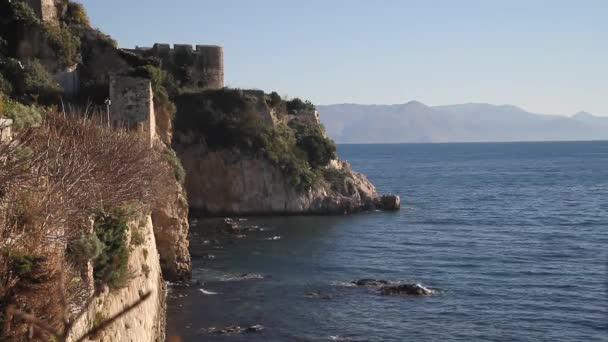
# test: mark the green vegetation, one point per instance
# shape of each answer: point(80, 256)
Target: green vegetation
point(23, 116)
point(295, 106)
point(28, 82)
point(65, 42)
point(228, 119)
point(176, 165)
point(86, 248)
point(76, 14)
point(319, 149)
point(137, 238)
point(111, 266)
point(20, 264)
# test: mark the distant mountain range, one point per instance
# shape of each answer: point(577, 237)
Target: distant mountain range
point(472, 122)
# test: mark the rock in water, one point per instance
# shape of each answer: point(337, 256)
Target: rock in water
point(234, 329)
point(406, 289)
point(390, 202)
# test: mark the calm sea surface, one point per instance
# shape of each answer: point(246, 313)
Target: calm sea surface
point(515, 235)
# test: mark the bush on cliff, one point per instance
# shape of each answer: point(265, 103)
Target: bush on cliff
point(30, 81)
point(111, 266)
point(229, 119)
point(320, 150)
point(296, 106)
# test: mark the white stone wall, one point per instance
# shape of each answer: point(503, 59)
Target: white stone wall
point(145, 323)
point(5, 130)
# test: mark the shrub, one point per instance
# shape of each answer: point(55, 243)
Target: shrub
point(275, 99)
point(20, 264)
point(76, 14)
point(111, 266)
point(23, 116)
point(64, 42)
point(319, 149)
point(137, 238)
point(176, 165)
point(86, 248)
point(24, 14)
point(30, 81)
point(297, 105)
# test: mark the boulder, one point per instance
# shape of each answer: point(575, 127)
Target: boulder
point(389, 202)
point(406, 289)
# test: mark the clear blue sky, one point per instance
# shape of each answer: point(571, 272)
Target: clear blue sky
point(545, 56)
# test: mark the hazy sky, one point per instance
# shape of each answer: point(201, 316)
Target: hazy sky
point(545, 56)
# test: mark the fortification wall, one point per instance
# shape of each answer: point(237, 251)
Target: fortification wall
point(46, 10)
point(132, 104)
point(205, 63)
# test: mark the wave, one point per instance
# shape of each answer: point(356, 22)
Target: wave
point(209, 293)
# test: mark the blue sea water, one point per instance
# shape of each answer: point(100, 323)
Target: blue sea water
point(514, 234)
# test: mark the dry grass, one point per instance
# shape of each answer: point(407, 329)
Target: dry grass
point(52, 179)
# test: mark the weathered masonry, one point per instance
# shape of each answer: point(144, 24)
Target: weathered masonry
point(198, 67)
point(132, 104)
point(46, 10)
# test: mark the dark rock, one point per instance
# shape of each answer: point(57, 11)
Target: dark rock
point(317, 295)
point(234, 329)
point(406, 289)
point(248, 276)
point(389, 202)
point(255, 328)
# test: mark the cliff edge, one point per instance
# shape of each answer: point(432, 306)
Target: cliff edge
point(250, 153)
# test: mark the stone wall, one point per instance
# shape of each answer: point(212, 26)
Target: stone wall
point(145, 323)
point(205, 61)
point(5, 130)
point(132, 104)
point(46, 10)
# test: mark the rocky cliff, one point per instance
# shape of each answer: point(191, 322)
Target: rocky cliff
point(250, 153)
point(229, 183)
point(171, 226)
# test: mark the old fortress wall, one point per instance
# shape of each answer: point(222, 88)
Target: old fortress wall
point(204, 62)
point(46, 10)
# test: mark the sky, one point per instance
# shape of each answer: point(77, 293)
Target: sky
point(544, 56)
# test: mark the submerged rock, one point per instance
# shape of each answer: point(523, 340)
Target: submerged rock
point(317, 295)
point(248, 276)
point(395, 288)
point(235, 329)
point(406, 289)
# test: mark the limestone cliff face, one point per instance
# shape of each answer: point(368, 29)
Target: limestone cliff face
point(230, 183)
point(171, 230)
point(147, 321)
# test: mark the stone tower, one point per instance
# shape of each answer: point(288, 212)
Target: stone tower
point(132, 104)
point(204, 62)
point(46, 10)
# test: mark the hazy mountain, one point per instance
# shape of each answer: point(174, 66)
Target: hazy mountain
point(416, 122)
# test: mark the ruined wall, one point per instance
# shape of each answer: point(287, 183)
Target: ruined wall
point(5, 130)
point(46, 10)
point(205, 63)
point(132, 104)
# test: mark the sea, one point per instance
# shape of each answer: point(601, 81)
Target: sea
point(513, 237)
